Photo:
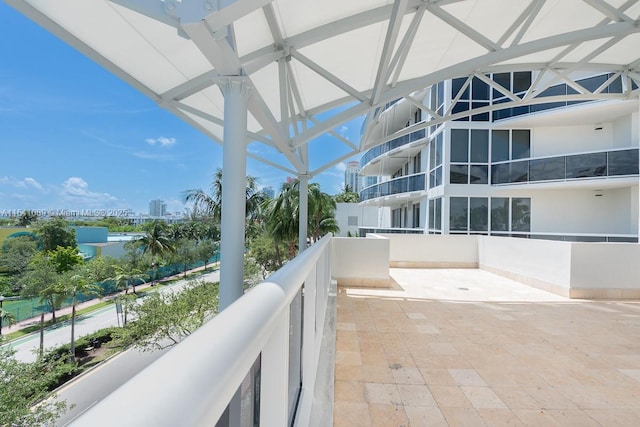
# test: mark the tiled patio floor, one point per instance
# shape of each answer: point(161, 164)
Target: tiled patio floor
point(469, 348)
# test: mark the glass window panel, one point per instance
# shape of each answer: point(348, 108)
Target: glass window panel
point(520, 144)
point(499, 214)
point(458, 213)
point(587, 165)
point(432, 154)
point(439, 149)
point(623, 162)
point(479, 214)
point(499, 145)
point(440, 93)
point(439, 176)
point(438, 220)
point(520, 214)
point(500, 173)
point(593, 83)
point(554, 91)
point(521, 81)
point(504, 80)
point(519, 172)
point(456, 85)
point(459, 145)
point(478, 174)
point(432, 213)
point(479, 146)
point(479, 90)
point(482, 117)
point(432, 179)
point(616, 85)
point(546, 169)
point(460, 107)
point(458, 174)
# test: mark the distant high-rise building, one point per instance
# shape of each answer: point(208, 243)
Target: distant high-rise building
point(268, 192)
point(352, 176)
point(157, 208)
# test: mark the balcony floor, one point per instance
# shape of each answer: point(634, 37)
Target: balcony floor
point(469, 348)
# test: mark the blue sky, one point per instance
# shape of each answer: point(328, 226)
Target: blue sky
point(73, 136)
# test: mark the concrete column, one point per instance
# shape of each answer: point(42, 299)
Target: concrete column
point(303, 187)
point(234, 165)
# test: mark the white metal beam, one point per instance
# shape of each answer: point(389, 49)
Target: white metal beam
point(393, 28)
point(328, 76)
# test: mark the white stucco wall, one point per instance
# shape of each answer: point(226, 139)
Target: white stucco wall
point(365, 214)
point(541, 263)
point(360, 258)
point(559, 140)
point(605, 266)
point(432, 250)
point(580, 211)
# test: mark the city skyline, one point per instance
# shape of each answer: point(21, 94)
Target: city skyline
point(75, 137)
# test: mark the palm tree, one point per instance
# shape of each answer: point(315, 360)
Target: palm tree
point(211, 204)
point(322, 208)
point(282, 217)
point(157, 241)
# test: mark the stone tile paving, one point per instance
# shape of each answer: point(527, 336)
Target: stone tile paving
point(469, 348)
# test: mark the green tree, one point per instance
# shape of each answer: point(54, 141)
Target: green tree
point(266, 253)
point(205, 250)
point(65, 259)
point(322, 213)
point(77, 282)
point(27, 218)
point(163, 320)
point(282, 218)
point(23, 390)
point(156, 242)
point(56, 232)
point(347, 195)
point(185, 253)
point(211, 204)
point(41, 280)
point(16, 254)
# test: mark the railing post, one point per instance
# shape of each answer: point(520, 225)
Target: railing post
point(274, 377)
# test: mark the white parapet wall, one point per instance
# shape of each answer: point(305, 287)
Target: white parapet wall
point(360, 261)
point(432, 251)
point(544, 264)
point(605, 270)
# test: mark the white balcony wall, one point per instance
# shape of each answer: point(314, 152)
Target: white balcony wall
point(580, 211)
point(559, 140)
point(432, 251)
point(365, 215)
point(605, 270)
point(625, 131)
point(539, 263)
point(360, 261)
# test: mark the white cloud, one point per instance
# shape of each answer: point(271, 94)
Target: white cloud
point(20, 183)
point(77, 189)
point(344, 132)
point(162, 141)
point(32, 182)
point(152, 156)
point(340, 167)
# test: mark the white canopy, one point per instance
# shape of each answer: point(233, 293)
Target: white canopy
point(303, 58)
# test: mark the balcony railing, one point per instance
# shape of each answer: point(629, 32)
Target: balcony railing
point(404, 184)
point(264, 349)
point(391, 145)
point(560, 168)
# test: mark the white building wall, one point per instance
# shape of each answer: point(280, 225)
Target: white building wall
point(560, 140)
point(580, 211)
point(366, 216)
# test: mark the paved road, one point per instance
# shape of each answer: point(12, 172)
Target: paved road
point(54, 336)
